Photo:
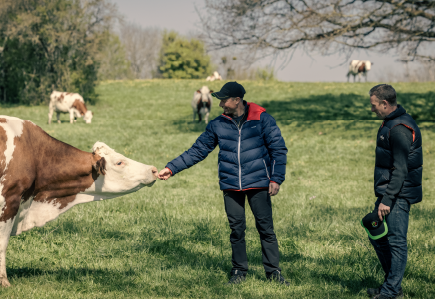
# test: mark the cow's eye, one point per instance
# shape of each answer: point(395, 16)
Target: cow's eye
point(119, 163)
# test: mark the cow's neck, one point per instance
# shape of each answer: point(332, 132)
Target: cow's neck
point(62, 171)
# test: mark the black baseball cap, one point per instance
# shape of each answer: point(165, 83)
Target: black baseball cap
point(374, 227)
point(230, 90)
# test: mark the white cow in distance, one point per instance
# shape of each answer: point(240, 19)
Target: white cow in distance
point(67, 102)
point(213, 77)
point(201, 103)
point(358, 67)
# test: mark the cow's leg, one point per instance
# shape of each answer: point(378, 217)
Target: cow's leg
point(7, 217)
point(199, 117)
point(71, 116)
point(206, 117)
point(58, 117)
point(5, 232)
point(50, 114)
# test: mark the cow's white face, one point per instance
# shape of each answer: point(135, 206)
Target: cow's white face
point(368, 65)
point(122, 175)
point(88, 116)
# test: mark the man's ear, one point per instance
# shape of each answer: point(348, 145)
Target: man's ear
point(99, 164)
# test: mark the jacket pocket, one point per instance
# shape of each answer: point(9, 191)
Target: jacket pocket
point(267, 172)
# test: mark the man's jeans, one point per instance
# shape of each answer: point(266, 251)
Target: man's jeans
point(392, 250)
point(261, 207)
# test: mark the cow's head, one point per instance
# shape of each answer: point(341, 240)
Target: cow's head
point(205, 94)
point(368, 65)
point(118, 174)
point(88, 116)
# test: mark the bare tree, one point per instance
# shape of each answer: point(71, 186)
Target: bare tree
point(142, 46)
point(327, 26)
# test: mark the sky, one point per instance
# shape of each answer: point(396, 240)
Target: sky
point(180, 15)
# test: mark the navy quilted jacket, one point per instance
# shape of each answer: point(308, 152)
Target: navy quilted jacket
point(249, 157)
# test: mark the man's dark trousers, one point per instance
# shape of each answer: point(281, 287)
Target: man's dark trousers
point(261, 206)
point(392, 250)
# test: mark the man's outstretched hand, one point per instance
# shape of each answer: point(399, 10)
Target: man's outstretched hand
point(273, 188)
point(164, 174)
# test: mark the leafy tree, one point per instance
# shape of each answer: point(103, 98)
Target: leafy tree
point(327, 26)
point(182, 58)
point(51, 44)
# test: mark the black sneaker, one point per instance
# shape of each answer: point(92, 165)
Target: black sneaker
point(277, 276)
point(236, 277)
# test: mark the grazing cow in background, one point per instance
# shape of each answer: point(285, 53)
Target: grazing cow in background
point(66, 102)
point(213, 77)
point(358, 67)
point(201, 103)
point(42, 177)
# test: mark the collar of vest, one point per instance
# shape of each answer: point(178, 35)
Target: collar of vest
point(396, 113)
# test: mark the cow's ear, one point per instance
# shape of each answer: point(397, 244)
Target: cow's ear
point(198, 91)
point(99, 164)
point(92, 113)
point(211, 91)
point(373, 63)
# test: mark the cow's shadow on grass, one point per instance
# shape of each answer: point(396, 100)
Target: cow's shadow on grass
point(109, 279)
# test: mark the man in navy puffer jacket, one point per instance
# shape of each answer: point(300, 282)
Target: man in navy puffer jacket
point(252, 161)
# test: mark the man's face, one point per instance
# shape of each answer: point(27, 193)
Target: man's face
point(229, 105)
point(380, 108)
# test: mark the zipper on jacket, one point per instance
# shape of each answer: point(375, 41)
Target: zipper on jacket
point(238, 150)
point(267, 172)
point(273, 167)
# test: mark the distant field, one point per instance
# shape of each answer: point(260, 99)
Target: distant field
point(172, 240)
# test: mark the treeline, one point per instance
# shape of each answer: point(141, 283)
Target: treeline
point(68, 45)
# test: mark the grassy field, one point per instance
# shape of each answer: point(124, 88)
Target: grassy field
point(172, 240)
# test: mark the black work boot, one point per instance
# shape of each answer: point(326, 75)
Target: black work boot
point(277, 276)
point(374, 291)
point(381, 296)
point(237, 277)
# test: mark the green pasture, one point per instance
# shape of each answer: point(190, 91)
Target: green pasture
point(172, 240)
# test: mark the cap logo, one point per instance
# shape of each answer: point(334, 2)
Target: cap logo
point(374, 223)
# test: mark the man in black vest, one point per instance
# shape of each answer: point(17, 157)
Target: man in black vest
point(397, 182)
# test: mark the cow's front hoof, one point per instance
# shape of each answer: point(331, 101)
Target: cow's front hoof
point(58, 121)
point(5, 282)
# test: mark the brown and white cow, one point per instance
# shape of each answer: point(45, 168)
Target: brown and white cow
point(201, 103)
point(42, 177)
point(359, 67)
point(66, 102)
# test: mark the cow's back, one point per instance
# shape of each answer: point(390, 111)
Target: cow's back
point(63, 101)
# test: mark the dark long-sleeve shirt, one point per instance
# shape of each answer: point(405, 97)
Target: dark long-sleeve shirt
point(400, 143)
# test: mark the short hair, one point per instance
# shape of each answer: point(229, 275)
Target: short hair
point(384, 92)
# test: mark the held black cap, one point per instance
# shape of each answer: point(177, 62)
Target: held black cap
point(230, 90)
point(374, 227)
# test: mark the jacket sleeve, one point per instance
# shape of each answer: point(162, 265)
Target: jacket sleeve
point(276, 146)
point(205, 144)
